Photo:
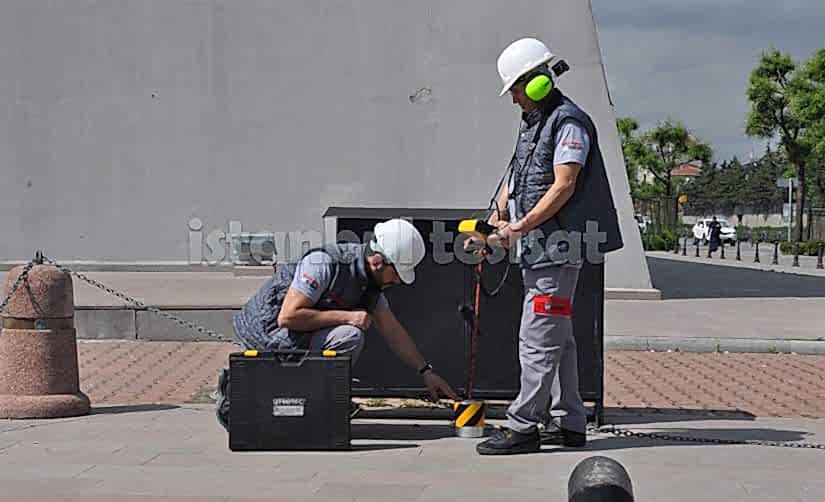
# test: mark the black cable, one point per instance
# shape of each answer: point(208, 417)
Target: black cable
point(487, 292)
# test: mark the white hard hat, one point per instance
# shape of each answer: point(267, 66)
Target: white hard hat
point(401, 244)
point(520, 57)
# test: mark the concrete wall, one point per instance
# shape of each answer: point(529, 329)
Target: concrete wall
point(122, 121)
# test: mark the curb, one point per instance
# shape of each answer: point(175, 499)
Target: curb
point(761, 267)
point(699, 345)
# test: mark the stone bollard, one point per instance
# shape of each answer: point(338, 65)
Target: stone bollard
point(775, 260)
point(599, 479)
point(38, 347)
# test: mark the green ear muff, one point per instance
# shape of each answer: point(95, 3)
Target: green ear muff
point(538, 87)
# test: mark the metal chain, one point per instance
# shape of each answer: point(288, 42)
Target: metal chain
point(180, 321)
point(609, 429)
point(612, 429)
point(20, 278)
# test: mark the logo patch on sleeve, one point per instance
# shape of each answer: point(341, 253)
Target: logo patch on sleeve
point(309, 281)
point(572, 144)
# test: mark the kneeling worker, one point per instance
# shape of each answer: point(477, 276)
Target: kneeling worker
point(330, 298)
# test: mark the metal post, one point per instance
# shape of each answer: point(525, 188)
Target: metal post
point(599, 478)
point(738, 252)
point(697, 249)
point(796, 255)
point(684, 246)
point(676, 246)
point(756, 257)
point(790, 208)
point(819, 260)
point(775, 253)
point(722, 256)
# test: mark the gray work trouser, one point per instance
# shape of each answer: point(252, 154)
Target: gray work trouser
point(547, 352)
point(346, 340)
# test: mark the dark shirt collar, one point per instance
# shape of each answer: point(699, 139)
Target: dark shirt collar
point(545, 107)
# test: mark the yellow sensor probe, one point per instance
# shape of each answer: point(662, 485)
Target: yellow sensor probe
point(477, 228)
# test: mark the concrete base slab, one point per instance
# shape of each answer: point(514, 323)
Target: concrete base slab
point(105, 324)
point(150, 326)
point(632, 294)
point(698, 344)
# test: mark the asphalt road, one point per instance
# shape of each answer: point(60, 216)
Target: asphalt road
point(679, 280)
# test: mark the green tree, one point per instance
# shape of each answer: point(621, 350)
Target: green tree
point(774, 84)
point(634, 158)
point(808, 102)
point(760, 190)
point(703, 192)
point(665, 147)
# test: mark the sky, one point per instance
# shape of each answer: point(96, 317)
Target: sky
point(690, 60)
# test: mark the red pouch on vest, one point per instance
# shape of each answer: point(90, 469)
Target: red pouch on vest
point(552, 306)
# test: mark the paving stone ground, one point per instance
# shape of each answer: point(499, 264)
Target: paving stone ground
point(130, 450)
point(766, 385)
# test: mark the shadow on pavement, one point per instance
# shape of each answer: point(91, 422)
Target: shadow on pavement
point(401, 432)
point(131, 408)
point(620, 416)
point(602, 442)
point(381, 446)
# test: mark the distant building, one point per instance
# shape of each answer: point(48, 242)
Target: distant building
point(687, 170)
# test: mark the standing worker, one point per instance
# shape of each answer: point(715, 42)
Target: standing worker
point(330, 298)
point(557, 193)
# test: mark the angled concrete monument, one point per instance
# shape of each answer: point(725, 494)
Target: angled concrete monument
point(126, 121)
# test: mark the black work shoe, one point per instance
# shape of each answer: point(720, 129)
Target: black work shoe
point(555, 435)
point(509, 442)
point(222, 401)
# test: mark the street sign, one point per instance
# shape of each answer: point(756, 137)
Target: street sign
point(788, 213)
point(783, 182)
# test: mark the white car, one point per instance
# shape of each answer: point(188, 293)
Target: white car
point(643, 222)
point(701, 231)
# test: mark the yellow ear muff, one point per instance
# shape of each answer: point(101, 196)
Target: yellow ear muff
point(538, 87)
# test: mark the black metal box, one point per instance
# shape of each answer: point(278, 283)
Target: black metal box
point(288, 401)
point(429, 311)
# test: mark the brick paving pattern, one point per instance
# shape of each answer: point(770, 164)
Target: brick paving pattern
point(781, 385)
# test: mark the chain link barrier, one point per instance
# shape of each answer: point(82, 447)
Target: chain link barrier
point(619, 432)
point(133, 301)
point(20, 278)
point(591, 428)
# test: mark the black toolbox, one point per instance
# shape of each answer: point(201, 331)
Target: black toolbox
point(289, 401)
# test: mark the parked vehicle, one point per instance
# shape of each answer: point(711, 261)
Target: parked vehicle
point(643, 222)
point(701, 231)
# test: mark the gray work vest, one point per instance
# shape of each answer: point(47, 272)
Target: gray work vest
point(531, 175)
point(349, 289)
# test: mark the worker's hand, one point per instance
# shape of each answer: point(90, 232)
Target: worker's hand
point(438, 386)
point(501, 237)
point(477, 245)
point(360, 319)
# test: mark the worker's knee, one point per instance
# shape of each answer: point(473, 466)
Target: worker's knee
point(347, 340)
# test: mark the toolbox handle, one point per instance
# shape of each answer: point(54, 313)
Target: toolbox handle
point(303, 353)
